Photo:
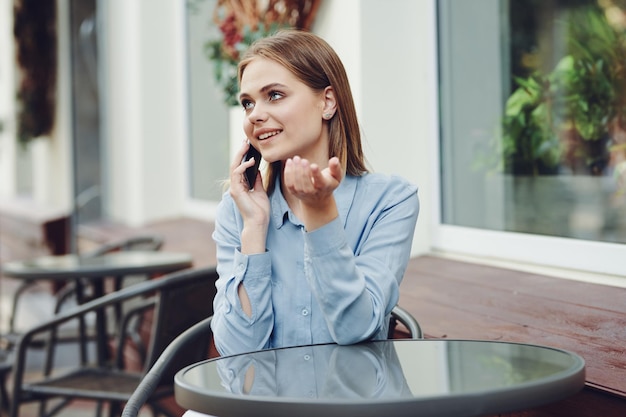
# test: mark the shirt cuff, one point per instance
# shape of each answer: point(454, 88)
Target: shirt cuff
point(254, 267)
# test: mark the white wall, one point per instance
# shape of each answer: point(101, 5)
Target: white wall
point(389, 51)
point(399, 87)
point(144, 109)
point(339, 23)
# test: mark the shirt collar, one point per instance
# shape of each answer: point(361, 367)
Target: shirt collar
point(344, 196)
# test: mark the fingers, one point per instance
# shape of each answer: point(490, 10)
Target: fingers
point(239, 155)
point(301, 177)
point(258, 182)
point(298, 174)
point(238, 168)
point(334, 167)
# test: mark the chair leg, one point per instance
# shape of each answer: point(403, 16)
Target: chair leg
point(115, 409)
point(99, 409)
point(5, 405)
point(16, 296)
point(56, 409)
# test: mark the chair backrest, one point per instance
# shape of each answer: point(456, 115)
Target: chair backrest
point(143, 243)
point(402, 316)
point(181, 305)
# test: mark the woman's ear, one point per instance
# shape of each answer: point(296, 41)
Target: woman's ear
point(330, 103)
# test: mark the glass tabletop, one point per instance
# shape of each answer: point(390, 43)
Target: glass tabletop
point(436, 377)
point(124, 262)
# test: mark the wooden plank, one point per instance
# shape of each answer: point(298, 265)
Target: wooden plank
point(583, 293)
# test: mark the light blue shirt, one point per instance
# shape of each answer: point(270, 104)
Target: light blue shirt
point(337, 283)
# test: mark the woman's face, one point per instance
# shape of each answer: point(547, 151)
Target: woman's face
point(284, 117)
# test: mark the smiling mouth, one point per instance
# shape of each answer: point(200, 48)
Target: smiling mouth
point(268, 135)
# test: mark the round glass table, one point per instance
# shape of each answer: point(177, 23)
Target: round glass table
point(65, 267)
point(95, 269)
point(396, 378)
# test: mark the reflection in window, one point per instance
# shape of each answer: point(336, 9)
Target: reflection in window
point(533, 112)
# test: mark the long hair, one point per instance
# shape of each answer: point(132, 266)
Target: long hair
point(316, 64)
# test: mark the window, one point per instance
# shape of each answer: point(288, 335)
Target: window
point(533, 130)
point(208, 116)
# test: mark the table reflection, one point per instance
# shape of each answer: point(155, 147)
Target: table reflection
point(326, 371)
point(382, 370)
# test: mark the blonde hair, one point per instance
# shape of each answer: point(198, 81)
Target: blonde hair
point(316, 64)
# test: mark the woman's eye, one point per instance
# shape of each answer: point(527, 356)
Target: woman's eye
point(247, 104)
point(275, 95)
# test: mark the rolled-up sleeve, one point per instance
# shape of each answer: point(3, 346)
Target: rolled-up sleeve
point(234, 330)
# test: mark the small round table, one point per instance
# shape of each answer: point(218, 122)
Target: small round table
point(435, 378)
point(96, 269)
point(65, 267)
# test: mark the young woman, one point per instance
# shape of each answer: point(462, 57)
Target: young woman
point(316, 250)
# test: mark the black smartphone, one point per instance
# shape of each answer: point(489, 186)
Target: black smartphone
point(252, 171)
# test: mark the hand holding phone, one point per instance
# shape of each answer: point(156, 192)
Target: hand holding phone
point(252, 171)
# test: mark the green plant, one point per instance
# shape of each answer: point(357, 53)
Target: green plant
point(530, 145)
point(240, 23)
point(567, 116)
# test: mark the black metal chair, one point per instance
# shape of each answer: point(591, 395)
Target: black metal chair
point(76, 289)
point(168, 361)
point(175, 302)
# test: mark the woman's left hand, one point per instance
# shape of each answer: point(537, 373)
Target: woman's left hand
point(314, 188)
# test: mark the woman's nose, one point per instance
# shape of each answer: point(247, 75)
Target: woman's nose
point(258, 114)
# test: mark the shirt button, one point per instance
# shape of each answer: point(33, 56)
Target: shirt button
point(305, 312)
point(307, 357)
point(240, 268)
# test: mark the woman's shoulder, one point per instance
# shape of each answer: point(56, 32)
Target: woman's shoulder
point(376, 189)
point(384, 183)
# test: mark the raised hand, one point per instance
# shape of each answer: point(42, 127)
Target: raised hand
point(314, 188)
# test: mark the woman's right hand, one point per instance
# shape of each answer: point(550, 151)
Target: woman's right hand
point(253, 205)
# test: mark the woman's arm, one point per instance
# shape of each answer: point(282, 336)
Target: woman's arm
point(234, 329)
point(355, 269)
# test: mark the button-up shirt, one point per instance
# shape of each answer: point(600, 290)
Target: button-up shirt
point(337, 283)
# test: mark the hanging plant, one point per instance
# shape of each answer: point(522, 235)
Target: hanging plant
point(35, 35)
